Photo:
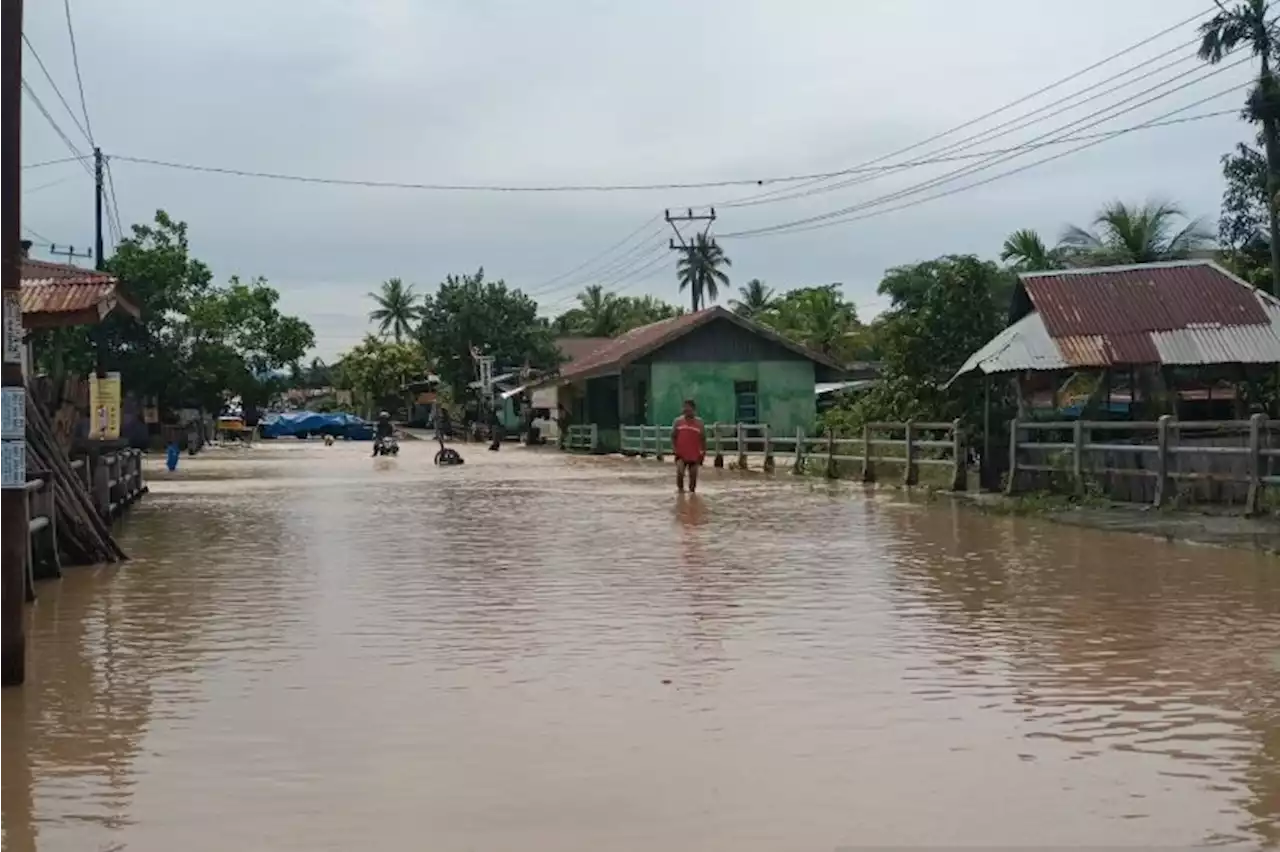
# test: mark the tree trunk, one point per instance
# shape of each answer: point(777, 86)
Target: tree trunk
point(1271, 144)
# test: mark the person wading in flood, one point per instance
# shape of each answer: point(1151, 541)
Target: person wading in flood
point(689, 445)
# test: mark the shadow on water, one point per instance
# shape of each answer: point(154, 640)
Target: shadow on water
point(313, 649)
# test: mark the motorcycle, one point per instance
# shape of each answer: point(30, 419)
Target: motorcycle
point(388, 446)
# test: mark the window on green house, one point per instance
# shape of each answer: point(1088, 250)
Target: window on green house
point(746, 402)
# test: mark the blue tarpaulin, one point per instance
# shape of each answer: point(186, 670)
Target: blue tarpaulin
point(302, 424)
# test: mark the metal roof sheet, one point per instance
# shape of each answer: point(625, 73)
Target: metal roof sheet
point(639, 342)
point(58, 288)
point(1185, 313)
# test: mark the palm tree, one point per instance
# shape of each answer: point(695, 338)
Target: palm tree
point(701, 270)
point(1247, 23)
point(1028, 252)
point(754, 299)
point(1126, 234)
point(397, 309)
point(601, 313)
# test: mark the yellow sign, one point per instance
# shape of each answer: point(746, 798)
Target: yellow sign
point(104, 407)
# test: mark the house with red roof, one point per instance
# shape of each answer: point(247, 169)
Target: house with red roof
point(736, 370)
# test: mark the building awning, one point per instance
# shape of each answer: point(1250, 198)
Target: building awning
point(57, 295)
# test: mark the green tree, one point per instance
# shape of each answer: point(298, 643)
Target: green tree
point(604, 314)
point(1243, 227)
point(1248, 23)
point(375, 369)
point(701, 270)
point(397, 309)
point(1124, 234)
point(753, 299)
point(1024, 251)
point(820, 318)
point(941, 312)
point(470, 311)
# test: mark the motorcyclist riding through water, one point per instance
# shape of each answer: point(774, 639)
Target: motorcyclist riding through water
point(383, 430)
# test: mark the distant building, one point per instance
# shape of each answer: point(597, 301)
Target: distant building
point(737, 370)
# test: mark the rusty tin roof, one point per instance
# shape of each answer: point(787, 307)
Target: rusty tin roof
point(1176, 313)
point(58, 293)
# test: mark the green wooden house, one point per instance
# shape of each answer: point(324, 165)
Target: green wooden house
point(736, 370)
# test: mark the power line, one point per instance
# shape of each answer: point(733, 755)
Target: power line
point(595, 257)
point(1025, 98)
point(39, 236)
point(1020, 122)
point(75, 61)
point(603, 270)
point(954, 174)
point(56, 162)
point(830, 219)
point(66, 140)
point(50, 184)
point(49, 77)
point(115, 207)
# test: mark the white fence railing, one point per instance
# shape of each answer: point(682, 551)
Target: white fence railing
point(583, 438)
point(910, 445)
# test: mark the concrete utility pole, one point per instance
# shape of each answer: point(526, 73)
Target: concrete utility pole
point(13, 493)
point(688, 248)
point(98, 259)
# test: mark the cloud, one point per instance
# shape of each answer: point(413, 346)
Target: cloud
point(574, 92)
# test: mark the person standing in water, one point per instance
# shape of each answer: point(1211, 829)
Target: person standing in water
point(689, 445)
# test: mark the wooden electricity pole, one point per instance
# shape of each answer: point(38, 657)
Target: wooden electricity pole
point(13, 494)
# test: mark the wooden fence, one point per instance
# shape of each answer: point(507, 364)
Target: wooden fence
point(1157, 462)
point(113, 481)
point(908, 445)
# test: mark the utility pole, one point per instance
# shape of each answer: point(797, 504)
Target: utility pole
point(688, 248)
point(13, 402)
point(69, 252)
point(98, 259)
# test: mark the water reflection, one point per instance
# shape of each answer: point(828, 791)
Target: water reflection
point(314, 650)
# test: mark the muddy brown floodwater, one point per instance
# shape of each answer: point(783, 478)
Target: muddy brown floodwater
point(314, 650)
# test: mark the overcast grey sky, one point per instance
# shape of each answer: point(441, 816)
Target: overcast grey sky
point(478, 91)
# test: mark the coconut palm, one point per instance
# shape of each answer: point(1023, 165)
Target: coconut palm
point(600, 312)
point(701, 270)
point(1247, 23)
point(1125, 234)
point(753, 299)
point(397, 310)
point(1026, 252)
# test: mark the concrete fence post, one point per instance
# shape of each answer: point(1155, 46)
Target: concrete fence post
point(742, 446)
point(1077, 456)
point(595, 438)
point(960, 473)
point(768, 450)
point(909, 474)
point(1162, 460)
point(1015, 433)
point(1253, 502)
point(832, 473)
point(718, 459)
point(868, 466)
point(658, 447)
point(798, 466)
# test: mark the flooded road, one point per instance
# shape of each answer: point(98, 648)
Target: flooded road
point(312, 650)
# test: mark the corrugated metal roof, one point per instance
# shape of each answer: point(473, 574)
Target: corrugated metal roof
point(1141, 298)
point(577, 348)
point(58, 288)
point(641, 341)
point(1181, 313)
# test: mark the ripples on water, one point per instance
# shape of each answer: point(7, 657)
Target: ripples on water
point(315, 650)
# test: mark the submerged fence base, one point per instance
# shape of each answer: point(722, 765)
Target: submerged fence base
point(1158, 462)
point(882, 448)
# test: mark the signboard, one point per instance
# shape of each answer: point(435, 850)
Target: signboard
point(13, 464)
point(104, 407)
point(426, 398)
point(12, 307)
point(13, 414)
